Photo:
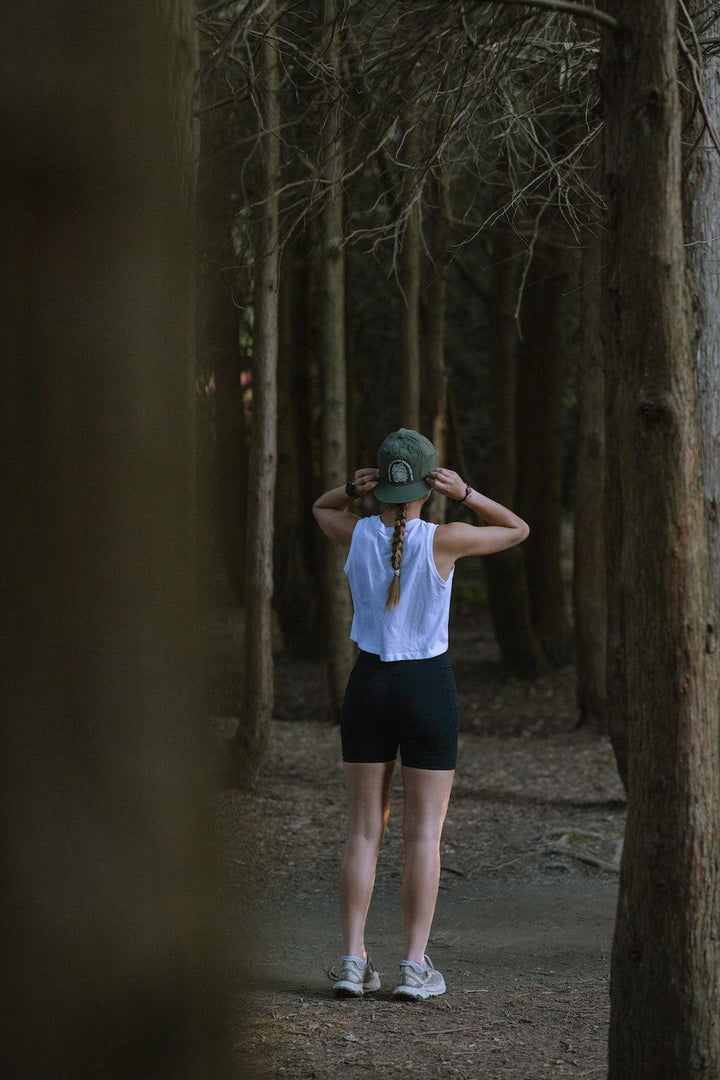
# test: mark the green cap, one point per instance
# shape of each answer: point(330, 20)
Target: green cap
point(404, 460)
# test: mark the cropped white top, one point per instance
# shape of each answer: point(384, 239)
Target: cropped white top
point(418, 627)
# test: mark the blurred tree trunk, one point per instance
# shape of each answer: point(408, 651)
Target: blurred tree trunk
point(437, 305)
point(331, 300)
point(410, 283)
point(507, 590)
point(294, 591)
point(540, 395)
point(665, 992)
point(702, 229)
point(589, 588)
point(113, 954)
point(252, 738)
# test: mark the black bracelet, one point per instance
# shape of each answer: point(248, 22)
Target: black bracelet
point(350, 489)
point(468, 491)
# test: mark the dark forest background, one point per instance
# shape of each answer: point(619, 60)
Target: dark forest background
point(245, 240)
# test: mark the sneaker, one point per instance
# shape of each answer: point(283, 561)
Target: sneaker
point(356, 977)
point(416, 983)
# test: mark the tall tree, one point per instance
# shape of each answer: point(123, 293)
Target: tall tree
point(410, 283)
point(541, 390)
point(702, 228)
point(665, 992)
point(253, 734)
point(295, 593)
point(331, 289)
point(220, 361)
point(112, 959)
point(589, 570)
point(505, 572)
point(436, 321)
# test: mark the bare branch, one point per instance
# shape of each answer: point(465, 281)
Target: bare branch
point(582, 10)
point(528, 263)
point(695, 72)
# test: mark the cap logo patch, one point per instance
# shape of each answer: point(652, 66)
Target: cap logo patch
point(399, 472)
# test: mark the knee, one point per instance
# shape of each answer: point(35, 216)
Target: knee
point(421, 835)
point(366, 835)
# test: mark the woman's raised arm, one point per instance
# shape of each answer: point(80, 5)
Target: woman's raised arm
point(457, 539)
point(331, 510)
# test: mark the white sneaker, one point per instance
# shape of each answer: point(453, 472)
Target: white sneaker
point(417, 984)
point(356, 977)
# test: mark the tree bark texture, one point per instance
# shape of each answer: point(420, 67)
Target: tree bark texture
point(331, 289)
point(254, 729)
point(410, 283)
point(219, 355)
point(615, 652)
point(508, 597)
point(541, 388)
point(437, 305)
point(702, 237)
point(113, 947)
point(295, 593)
point(589, 570)
point(665, 1007)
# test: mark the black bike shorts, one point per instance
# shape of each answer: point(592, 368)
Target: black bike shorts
point(407, 704)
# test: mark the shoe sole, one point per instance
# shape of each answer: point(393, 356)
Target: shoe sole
point(353, 990)
point(406, 994)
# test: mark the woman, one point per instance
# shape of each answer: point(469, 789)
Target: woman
point(401, 693)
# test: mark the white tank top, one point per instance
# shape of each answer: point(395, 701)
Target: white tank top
point(418, 627)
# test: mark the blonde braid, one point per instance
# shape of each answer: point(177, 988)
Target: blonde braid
point(393, 593)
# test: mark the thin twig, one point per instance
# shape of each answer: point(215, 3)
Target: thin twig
point(432, 1034)
point(586, 857)
point(526, 268)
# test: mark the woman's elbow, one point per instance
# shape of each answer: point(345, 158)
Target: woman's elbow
point(523, 531)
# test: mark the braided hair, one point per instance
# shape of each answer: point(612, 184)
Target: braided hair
point(398, 539)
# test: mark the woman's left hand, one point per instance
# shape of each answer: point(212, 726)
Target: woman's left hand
point(365, 480)
point(447, 482)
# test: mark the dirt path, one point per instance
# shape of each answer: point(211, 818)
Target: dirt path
point(523, 926)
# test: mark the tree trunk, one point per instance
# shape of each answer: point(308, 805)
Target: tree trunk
point(437, 304)
point(252, 739)
point(113, 954)
point(702, 229)
point(589, 592)
point(541, 389)
point(508, 598)
point(332, 350)
point(665, 992)
point(219, 358)
point(295, 599)
point(410, 280)
point(615, 667)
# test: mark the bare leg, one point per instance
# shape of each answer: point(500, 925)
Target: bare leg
point(368, 799)
point(427, 793)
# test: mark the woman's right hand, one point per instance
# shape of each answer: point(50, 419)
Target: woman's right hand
point(365, 480)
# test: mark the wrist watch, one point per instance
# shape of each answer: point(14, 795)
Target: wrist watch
point(350, 489)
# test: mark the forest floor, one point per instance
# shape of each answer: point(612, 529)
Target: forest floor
point(526, 906)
